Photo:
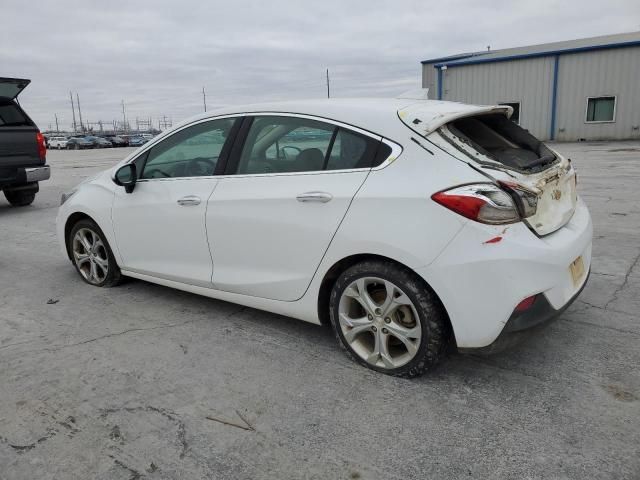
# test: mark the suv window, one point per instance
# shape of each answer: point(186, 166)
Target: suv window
point(291, 144)
point(191, 152)
point(11, 116)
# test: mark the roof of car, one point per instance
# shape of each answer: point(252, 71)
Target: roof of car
point(378, 115)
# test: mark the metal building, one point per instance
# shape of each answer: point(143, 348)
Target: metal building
point(586, 89)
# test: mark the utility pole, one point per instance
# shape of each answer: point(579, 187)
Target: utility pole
point(79, 112)
point(73, 111)
point(124, 118)
point(204, 99)
point(57, 127)
point(328, 91)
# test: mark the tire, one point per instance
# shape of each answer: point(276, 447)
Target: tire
point(415, 315)
point(76, 147)
point(20, 198)
point(90, 260)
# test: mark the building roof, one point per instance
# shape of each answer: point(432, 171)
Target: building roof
point(546, 49)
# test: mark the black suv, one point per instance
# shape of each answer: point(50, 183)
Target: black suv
point(22, 147)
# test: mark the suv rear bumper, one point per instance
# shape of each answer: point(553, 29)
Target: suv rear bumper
point(22, 176)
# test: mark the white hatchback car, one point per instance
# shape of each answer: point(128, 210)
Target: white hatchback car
point(402, 223)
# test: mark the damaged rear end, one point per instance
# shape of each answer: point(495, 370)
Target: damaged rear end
point(525, 254)
point(541, 182)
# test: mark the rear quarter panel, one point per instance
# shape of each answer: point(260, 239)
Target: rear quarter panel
point(393, 215)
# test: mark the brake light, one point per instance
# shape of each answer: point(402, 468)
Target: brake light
point(482, 202)
point(526, 200)
point(42, 146)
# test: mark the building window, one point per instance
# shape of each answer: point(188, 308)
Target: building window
point(601, 109)
point(516, 110)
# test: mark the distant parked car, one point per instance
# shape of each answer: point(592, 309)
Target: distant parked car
point(137, 141)
point(58, 142)
point(98, 142)
point(116, 140)
point(77, 143)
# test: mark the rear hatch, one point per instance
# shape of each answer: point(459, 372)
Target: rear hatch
point(18, 142)
point(489, 142)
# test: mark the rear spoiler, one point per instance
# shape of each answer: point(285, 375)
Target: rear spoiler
point(425, 118)
point(11, 87)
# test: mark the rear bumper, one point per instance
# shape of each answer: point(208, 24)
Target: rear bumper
point(480, 283)
point(22, 176)
point(541, 313)
point(38, 174)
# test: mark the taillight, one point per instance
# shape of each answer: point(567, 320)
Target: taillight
point(42, 146)
point(526, 200)
point(482, 202)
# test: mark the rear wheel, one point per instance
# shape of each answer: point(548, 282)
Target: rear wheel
point(92, 256)
point(387, 319)
point(20, 198)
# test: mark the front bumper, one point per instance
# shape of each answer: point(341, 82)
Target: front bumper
point(22, 176)
point(480, 283)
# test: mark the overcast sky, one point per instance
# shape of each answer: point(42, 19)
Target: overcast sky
point(157, 55)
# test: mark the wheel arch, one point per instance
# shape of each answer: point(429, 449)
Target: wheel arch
point(340, 266)
point(71, 221)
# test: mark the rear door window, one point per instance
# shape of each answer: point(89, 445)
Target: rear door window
point(278, 144)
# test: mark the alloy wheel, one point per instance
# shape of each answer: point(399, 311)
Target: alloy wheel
point(379, 322)
point(90, 256)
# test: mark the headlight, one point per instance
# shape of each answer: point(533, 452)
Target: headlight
point(66, 196)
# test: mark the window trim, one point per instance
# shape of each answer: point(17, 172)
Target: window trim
point(586, 109)
point(507, 103)
point(245, 120)
point(227, 147)
point(234, 157)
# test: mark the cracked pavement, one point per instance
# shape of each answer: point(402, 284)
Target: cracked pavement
point(142, 381)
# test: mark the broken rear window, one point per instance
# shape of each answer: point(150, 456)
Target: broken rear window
point(495, 136)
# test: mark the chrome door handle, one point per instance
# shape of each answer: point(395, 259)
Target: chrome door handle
point(321, 197)
point(189, 200)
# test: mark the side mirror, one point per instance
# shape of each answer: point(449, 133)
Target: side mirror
point(126, 176)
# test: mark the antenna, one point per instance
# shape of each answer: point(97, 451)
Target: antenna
point(204, 99)
point(328, 88)
point(73, 111)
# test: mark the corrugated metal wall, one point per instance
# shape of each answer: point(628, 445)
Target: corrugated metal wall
point(530, 82)
point(599, 73)
point(526, 81)
point(429, 80)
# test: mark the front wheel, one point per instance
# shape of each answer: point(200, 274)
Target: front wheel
point(92, 256)
point(387, 319)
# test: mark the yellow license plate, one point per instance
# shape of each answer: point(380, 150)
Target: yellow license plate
point(577, 270)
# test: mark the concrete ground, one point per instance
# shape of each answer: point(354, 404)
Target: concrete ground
point(137, 381)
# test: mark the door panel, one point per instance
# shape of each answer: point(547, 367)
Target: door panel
point(267, 242)
point(160, 229)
